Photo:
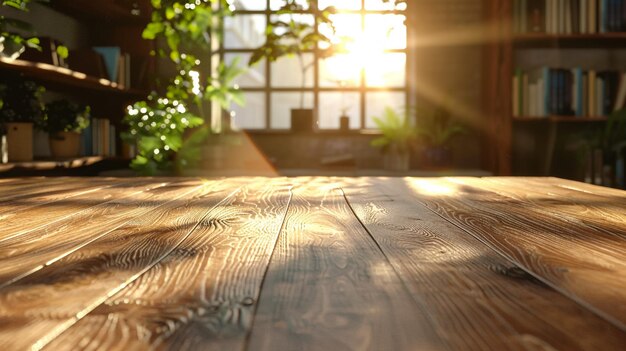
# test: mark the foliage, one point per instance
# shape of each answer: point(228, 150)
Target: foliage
point(157, 127)
point(17, 35)
point(435, 127)
point(292, 37)
point(12, 43)
point(66, 116)
point(21, 100)
point(615, 130)
point(397, 134)
point(186, 27)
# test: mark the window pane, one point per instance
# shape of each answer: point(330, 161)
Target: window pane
point(277, 4)
point(347, 29)
point(340, 5)
point(334, 105)
point(287, 72)
point(339, 71)
point(282, 103)
point(252, 114)
point(390, 30)
point(376, 103)
point(251, 5)
point(244, 31)
point(385, 70)
point(380, 5)
point(254, 76)
point(287, 18)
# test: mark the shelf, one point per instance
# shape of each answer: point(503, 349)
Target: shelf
point(67, 78)
point(106, 11)
point(572, 119)
point(45, 165)
point(603, 40)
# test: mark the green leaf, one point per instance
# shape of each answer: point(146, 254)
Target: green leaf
point(152, 30)
point(62, 51)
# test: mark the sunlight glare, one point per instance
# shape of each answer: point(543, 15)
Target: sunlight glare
point(366, 49)
point(429, 187)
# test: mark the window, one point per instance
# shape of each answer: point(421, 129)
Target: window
point(359, 83)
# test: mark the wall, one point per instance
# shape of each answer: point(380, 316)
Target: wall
point(448, 41)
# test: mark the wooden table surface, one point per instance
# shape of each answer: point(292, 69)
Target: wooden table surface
point(311, 264)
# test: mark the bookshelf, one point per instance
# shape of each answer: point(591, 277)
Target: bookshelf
point(65, 78)
point(83, 26)
point(511, 50)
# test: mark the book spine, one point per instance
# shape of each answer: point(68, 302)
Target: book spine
point(525, 95)
point(602, 16)
point(583, 16)
point(579, 92)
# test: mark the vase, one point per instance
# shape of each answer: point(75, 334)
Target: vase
point(19, 141)
point(65, 144)
point(302, 120)
point(344, 123)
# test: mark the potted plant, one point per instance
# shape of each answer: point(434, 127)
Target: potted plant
point(396, 141)
point(21, 108)
point(64, 121)
point(434, 131)
point(292, 37)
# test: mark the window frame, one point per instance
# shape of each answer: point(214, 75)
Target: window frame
point(361, 89)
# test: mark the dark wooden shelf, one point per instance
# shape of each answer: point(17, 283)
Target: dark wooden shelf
point(65, 77)
point(601, 40)
point(106, 11)
point(573, 119)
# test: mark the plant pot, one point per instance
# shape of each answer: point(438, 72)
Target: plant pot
point(344, 123)
point(65, 144)
point(397, 161)
point(302, 120)
point(19, 141)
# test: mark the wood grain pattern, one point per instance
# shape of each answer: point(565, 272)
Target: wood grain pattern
point(32, 251)
point(203, 295)
point(240, 264)
point(47, 193)
point(572, 258)
point(78, 283)
point(460, 279)
point(602, 212)
point(329, 287)
point(18, 223)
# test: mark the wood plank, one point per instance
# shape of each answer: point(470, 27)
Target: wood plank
point(18, 223)
point(81, 281)
point(585, 187)
point(604, 213)
point(25, 186)
point(203, 295)
point(573, 258)
point(47, 193)
point(34, 250)
point(476, 298)
point(329, 287)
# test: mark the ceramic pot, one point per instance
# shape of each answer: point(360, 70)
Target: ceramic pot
point(302, 120)
point(19, 141)
point(65, 144)
point(344, 123)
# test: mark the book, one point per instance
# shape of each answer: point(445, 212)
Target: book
point(87, 61)
point(48, 53)
point(111, 55)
